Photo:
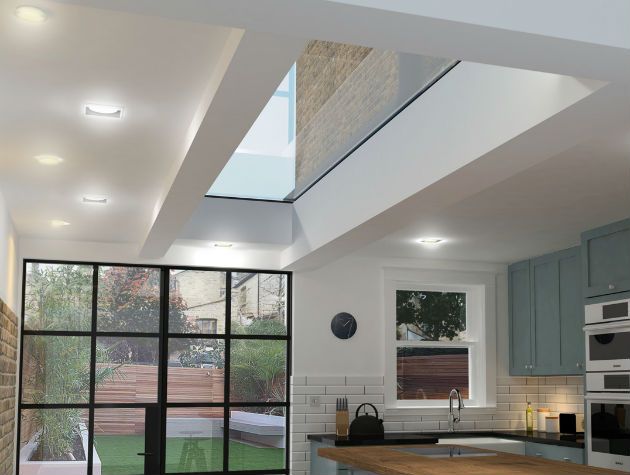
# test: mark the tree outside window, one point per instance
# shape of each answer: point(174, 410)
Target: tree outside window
point(432, 350)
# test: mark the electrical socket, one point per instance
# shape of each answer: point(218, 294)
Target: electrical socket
point(314, 401)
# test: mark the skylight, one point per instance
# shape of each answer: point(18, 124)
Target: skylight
point(333, 99)
point(263, 166)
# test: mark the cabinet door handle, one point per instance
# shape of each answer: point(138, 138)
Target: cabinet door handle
point(611, 286)
point(538, 454)
point(566, 459)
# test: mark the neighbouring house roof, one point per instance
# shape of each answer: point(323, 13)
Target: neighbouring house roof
point(242, 279)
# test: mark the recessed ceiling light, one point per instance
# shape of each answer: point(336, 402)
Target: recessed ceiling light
point(49, 159)
point(31, 14)
point(430, 241)
point(58, 223)
point(95, 199)
point(101, 110)
point(222, 244)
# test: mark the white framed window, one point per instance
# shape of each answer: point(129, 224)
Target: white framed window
point(207, 325)
point(440, 334)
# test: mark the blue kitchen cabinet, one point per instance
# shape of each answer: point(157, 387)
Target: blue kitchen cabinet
point(571, 312)
point(555, 452)
point(546, 315)
point(606, 259)
point(519, 299)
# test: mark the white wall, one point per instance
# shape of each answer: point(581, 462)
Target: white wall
point(258, 222)
point(184, 253)
point(442, 134)
point(356, 285)
point(8, 258)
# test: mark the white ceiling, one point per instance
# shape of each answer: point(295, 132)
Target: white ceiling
point(156, 68)
point(540, 210)
point(160, 59)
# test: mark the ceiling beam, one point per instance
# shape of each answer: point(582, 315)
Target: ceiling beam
point(250, 71)
point(573, 37)
point(476, 127)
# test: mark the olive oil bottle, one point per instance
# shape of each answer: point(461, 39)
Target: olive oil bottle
point(529, 417)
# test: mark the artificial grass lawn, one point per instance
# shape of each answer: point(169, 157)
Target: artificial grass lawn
point(118, 454)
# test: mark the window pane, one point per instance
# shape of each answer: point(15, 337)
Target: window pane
point(430, 316)
point(259, 303)
point(195, 370)
point(119, 436)
point(128, 299)
point(194, 440)
point(431, 373)
point(126, 369)
point(56, 369)
point(258, 370)
point(196, 302)
point(58, 297)
point(53, 435)
point(257, 438)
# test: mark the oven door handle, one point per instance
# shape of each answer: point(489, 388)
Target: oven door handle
point(606, 398)
point(598, 327)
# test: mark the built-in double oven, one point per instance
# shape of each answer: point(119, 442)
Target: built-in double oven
point(607, 337)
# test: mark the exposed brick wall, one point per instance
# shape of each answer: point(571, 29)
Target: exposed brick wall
point(343, 92)
point(8, 365)
point(321, 69)
point(358, 98)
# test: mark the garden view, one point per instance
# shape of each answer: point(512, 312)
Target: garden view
point(57, 369)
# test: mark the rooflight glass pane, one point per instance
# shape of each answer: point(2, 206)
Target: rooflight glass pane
point(333, 98)
point(263, 165)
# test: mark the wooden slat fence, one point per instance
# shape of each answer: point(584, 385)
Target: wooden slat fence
point(138, 383)
point(432, 377)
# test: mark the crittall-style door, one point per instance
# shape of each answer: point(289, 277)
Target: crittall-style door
point(132, 370)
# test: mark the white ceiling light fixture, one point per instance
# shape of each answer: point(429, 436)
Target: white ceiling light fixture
point(49, 160)
point(95, 199)
point(430, 241)
point(102, 110)
point(31, 14)
point(223, 244)
point(59, 223)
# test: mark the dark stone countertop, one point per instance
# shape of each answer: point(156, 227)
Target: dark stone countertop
point(406, 438)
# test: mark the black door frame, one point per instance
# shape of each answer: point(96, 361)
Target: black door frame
point(163, 337)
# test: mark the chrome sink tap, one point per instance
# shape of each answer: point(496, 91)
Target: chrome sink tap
point(452, 420)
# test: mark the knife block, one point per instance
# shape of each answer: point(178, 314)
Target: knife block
point(342, 423)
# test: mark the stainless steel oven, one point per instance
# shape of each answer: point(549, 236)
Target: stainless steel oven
point(607, 312)
point(608, 431)
point(608, 347)
point(607, 412)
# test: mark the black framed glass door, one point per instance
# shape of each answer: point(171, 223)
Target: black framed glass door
point(131, 370)
point(126, 441)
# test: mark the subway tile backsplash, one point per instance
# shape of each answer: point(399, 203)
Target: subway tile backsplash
point(558, 393)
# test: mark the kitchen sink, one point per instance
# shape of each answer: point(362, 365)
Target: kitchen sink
point(446, 451)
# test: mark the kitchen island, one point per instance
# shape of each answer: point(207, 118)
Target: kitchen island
point(391, 460)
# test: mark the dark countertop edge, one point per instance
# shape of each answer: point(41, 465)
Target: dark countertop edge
point(404, 438)
point(397, 439)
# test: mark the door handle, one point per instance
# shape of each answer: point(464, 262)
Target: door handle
point(145, 454)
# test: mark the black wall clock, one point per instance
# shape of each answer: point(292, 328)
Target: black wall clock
point(343, 325)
